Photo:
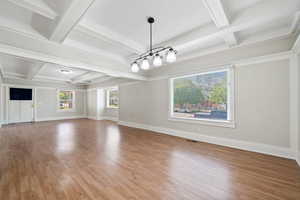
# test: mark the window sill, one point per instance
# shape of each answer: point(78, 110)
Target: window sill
point(219, 123)
point(112, 108)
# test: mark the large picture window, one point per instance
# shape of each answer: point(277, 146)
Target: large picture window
point(66, 100)
point(203, 97)
point(112, 98)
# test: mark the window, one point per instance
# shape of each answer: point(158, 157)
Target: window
point(66, 99)
point(112, 98)
point(204, 97)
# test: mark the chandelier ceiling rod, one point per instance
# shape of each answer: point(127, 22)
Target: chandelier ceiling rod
point(151, 21)
point(153, 55)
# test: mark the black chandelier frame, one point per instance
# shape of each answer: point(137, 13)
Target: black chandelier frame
point(152, 51)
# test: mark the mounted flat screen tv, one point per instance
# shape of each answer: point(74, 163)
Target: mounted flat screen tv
point(20, 94)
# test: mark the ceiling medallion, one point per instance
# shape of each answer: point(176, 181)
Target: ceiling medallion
point(153, 55)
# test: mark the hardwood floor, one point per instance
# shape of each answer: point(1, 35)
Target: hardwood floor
point(88, 160)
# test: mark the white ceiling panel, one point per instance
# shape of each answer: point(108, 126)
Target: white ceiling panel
point(128, 18)
point(234, 6)
point(271, 28)
point(53, 70)
point(105, 34)
point(12, 64)
point(95, 45)
point(20, 15)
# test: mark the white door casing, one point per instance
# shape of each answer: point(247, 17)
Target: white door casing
point(20, 110)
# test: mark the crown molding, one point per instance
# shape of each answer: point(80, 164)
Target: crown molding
point(238, 63)
point(63, 87)
point(262, 59)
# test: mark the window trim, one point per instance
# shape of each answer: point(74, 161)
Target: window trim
point(108, 90)
point(230, 123)
point(73, 101)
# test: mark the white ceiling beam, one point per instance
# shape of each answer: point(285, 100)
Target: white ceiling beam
point(47, 78)
point(15, 44)
point(10, 50)
point(14, 75)
point(264, 14)
point(217, 13)
point(69, 19)
point(193, 42)
point(102, 79)
point(33, 71)
point(81, 45)
point(37, 6)
point(80, 76)
point(87, 77)
point(230, 39)
point(36, 78)
point(280, 34)
point(109, 36)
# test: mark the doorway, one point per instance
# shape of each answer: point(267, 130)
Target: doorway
point(20, 105)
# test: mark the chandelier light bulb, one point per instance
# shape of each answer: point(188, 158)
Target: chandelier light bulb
point(157, 61)
point(171, 56)
point(145, 64)
point(155, 55)
point(135, 68)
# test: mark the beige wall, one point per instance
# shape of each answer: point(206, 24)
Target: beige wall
point(262, 105)
point(225, 57)
point(96, 103)
point(92, 103)
point(46, 104)
point(111, 113)
point(46, 100)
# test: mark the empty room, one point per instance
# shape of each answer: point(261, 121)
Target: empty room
point(149, 100)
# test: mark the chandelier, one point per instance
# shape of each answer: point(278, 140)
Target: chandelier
point(153, 55)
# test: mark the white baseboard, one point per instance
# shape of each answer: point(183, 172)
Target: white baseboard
point(238, 144)
point(92, 117)
point(115, 119)
point(59, 118)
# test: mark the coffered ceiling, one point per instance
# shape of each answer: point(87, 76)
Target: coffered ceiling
point(96, 39)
